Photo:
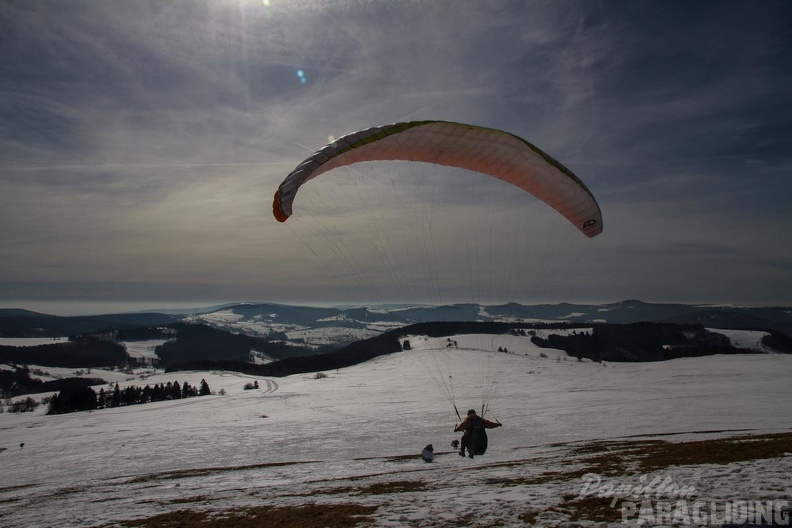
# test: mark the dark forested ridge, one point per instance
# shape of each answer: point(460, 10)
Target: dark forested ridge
point(184, 342)
point(648, 342)
point(80, 352)
point(202, 342)
point(24, 323)
point(266, 316)
point(23, 381)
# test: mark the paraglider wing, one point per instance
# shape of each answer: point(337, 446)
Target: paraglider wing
point(485, 150)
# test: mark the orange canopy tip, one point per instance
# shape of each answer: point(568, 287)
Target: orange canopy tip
point(277, 211)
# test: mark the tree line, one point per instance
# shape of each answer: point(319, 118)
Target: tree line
point(19, 381)
point(78, 352)
point(87, 399)
point(20, 406)
point(636, 342)
point(191, 342)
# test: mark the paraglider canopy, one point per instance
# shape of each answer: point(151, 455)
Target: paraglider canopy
point(424, 212)
point(485, 150)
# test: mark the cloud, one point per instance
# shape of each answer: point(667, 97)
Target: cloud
point(142, 142)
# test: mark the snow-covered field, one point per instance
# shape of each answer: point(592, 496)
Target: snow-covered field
point(31, 341)
point(264, 325)
point(354, 437)
point(750, 339)
point(143, 349)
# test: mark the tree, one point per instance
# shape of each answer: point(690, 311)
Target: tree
point(158, 392)
point(175, 391)
point(116, 399)
point(71, 400)
point(55, 405)
point(204, 390)
point(131, 396)
point(26, 405)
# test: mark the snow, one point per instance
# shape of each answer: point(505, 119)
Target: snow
point(31, 341)
point(264, 325)
point(339, 317)
point(302, 440)
point(218, 317)
point(136, 376)
point(143, 349)
point(328, 335)
point(750, 339)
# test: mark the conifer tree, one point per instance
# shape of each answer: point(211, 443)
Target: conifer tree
point(116, 396)
point(175, 392)
point(55, 405)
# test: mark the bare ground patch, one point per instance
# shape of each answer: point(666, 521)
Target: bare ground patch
point(632, 457)
point(624, 457)
point(201, 472)
point(718, 451)
point(15, 488)
point(305, 516)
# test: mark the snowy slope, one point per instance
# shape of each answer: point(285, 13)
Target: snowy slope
point(304, 441)
point(748, 339)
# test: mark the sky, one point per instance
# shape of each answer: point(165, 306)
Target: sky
point(141, 142)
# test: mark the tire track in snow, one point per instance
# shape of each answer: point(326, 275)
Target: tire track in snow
point(272, 386)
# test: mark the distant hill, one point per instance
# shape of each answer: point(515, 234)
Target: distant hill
point(17, 312)
point(192, 342)
point(88, 351)
point(22, 323)
point(339, 326)
point(264, 319)
point(640, 342)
